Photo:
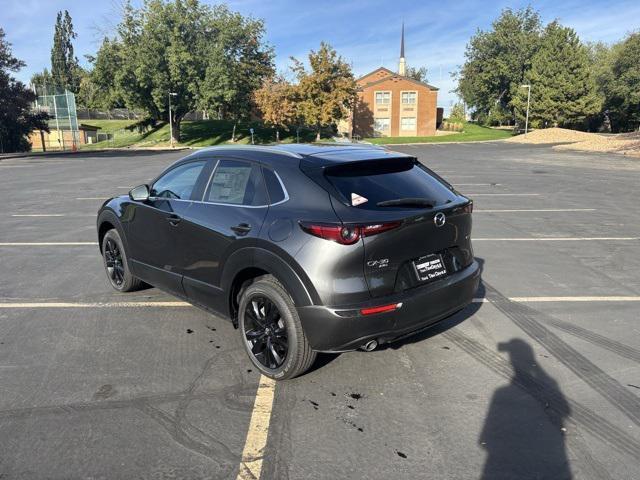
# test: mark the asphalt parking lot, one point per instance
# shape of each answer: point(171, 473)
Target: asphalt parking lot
point(538, 378)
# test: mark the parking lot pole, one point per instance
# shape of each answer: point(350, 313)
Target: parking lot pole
point(526, 122)
point(171, 119)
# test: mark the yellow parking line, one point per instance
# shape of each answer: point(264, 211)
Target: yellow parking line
point(256, 441)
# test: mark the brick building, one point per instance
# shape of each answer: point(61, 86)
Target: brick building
point(392, 105)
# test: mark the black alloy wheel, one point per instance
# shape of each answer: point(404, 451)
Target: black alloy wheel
point(114, 262)
point(265, 332)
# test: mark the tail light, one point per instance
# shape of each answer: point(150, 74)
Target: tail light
point(381, 309)
point(468, 208)
point(346, 234)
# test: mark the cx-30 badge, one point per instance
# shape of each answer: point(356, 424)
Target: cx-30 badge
point(439, 219)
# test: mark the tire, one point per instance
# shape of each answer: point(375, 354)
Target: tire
point(299, 356)
point(117, 270)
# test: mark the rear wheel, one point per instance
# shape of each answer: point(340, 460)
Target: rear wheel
point(115, 263)
point(271, 330)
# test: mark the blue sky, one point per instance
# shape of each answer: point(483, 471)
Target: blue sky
point(366, 33)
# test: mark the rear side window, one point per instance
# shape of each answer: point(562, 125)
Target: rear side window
point(365, 184)
point(236, 183)
point(274, 187)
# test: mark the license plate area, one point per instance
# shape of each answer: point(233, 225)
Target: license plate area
point(430, 268)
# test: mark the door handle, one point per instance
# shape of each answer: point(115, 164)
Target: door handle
point(242, 229)
point(174, 219)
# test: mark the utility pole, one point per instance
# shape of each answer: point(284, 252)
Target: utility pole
point(171, 94)
point(526, 122)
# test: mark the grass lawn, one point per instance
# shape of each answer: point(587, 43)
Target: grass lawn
point(204, 133)
point(472, 133)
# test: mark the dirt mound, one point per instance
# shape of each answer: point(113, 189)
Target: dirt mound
point(617, 144)
point(625, 144)
point(553, 135)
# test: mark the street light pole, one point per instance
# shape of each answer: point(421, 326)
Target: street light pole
point(526, 122)
point(171, 119)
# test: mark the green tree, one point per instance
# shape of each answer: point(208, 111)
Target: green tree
point(620, 84)
point(563, 88)
point(209, 57)
point(496, 61)
point(457, 113)
point(64, 64)
point(16, 118)
point(419, 74)
point(327, 92)
point(102, 88)
point(238, 63)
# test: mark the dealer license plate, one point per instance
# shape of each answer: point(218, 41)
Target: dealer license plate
point(430, 268)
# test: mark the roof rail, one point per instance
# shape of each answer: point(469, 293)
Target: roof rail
point(272, 149)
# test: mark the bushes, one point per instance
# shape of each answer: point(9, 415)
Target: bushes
point(448, 126)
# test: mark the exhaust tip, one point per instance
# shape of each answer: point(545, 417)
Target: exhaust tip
point(370, 345)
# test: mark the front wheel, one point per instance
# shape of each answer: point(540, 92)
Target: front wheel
point(271, 330)
point(116, 265)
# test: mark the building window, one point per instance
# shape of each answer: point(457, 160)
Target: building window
point(383, 98)
point(381, 125)
point(409, 98)
point(408, 123)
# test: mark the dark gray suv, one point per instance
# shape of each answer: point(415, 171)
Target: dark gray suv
point(305, 248)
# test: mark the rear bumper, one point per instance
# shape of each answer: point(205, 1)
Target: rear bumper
point(328, 330)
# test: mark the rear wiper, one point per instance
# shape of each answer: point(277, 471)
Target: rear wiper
point(407, 202)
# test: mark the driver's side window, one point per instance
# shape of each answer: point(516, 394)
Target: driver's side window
point(179, 182)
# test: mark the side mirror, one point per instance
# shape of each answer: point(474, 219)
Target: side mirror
point(139, 193)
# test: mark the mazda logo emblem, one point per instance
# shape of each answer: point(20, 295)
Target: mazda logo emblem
point(439, 219)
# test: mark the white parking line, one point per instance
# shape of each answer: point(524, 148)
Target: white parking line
point(91, 304)
point(565, 299)
point(38, 215)
point(256, 441)
point(46, 244)
point(518, 210)
point(553, 239)
point(575, 299)
point(477, 184)
point(92, 198)
point(49, 215)
point(503, 194)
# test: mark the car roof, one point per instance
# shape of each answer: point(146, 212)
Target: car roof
point(320, 154)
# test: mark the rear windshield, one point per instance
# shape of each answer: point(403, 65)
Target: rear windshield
point(365, 184)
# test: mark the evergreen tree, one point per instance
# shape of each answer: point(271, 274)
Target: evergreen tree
point(621, 86)
point(563, 88)
point(16, 118)
point(64, 64)
point(419, 74)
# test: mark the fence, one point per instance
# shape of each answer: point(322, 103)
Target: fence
point(127, 114)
